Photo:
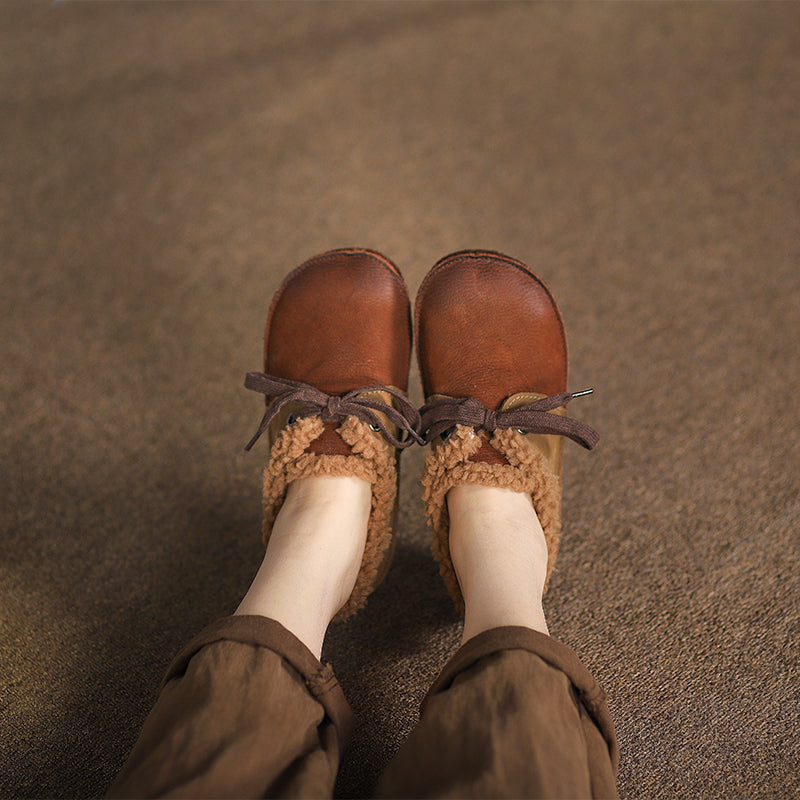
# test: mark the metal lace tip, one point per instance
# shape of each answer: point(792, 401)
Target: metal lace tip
point(582, 392)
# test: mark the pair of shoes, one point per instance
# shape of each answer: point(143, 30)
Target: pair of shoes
point(492, 353)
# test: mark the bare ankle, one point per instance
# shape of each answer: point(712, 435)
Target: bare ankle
point(313, 556)
point(500, 556)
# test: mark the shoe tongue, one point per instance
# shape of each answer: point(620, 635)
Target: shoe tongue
point(488, 454)
point(330, 443)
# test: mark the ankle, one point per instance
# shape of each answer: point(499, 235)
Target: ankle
point(324, 524)
point(313, 556)
point(313, 505)
point(499, 554)
point(495, 521)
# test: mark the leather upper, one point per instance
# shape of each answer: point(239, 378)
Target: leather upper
point(340, 321)
point(487, 328)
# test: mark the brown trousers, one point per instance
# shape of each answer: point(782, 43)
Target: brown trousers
point(246, 710)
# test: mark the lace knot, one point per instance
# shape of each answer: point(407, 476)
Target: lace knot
point(441, 415)
point(332, 408)
point(356, 403)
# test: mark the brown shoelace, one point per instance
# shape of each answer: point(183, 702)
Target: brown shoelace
point(334, 407)
point(441, 415)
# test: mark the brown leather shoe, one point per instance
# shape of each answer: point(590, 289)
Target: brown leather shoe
point(336, 357)
point(493, 356)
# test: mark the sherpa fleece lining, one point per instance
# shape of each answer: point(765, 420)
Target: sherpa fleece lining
point(448, 465)
point(372, 460)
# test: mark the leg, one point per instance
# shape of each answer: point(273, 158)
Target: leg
point(247, 709)
point(500, 556)
point(514, 713)
point(313, 556)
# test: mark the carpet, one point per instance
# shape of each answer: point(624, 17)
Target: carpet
point(164, 165)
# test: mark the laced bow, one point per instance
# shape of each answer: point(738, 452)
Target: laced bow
point(440, 415)
point(312, 401)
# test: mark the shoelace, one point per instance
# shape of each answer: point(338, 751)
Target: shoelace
point(440, 415)
point(334, 407)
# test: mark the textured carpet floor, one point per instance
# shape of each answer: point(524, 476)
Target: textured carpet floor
point(164, 165)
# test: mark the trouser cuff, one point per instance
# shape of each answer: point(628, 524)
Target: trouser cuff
point(268, 633)
point(551, 651)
